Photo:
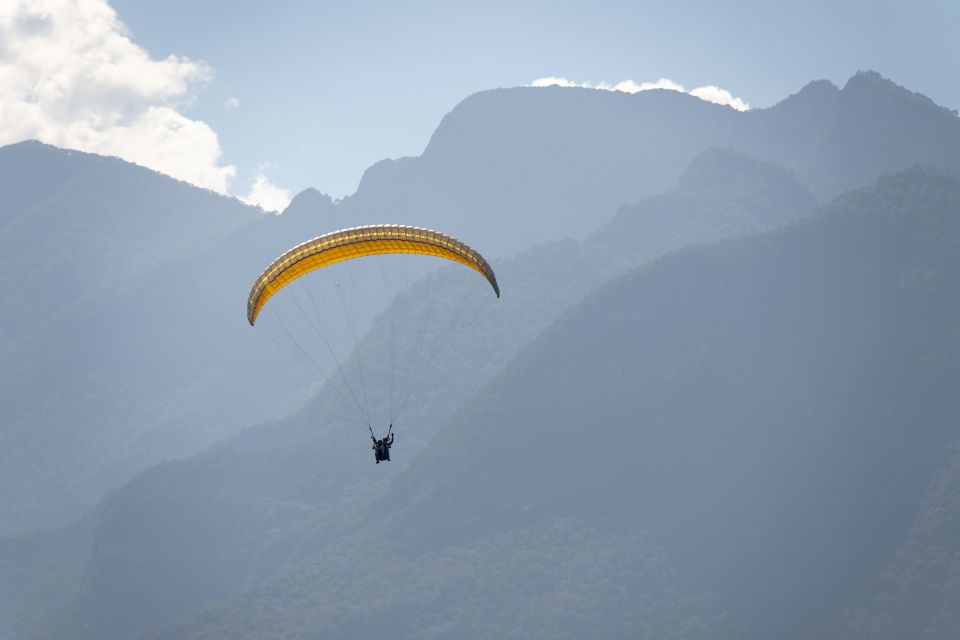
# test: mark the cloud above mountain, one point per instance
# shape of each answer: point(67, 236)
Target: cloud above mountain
point(73, 77)
point(266, 195)
point(710, 93)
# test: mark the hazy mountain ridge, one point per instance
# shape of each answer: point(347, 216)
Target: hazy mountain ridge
point(90, 224)
point(40, 576)
point(290, 494)
point(129, 265)
point(571, 151)
point(505, 169)
point(843, 138)
point(129, 362)
point(712, 199)
point(318, 465)
point(742, 403)
point(726, 352)
point(548, 580)
point(920, 589)
point(80, 233)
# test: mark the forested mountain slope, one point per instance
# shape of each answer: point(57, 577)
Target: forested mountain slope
point(919, 590)
point(242, 506)
point(770, 411)
point(120, 287)
point(79, 234)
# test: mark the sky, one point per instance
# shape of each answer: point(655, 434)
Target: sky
point(261, 100)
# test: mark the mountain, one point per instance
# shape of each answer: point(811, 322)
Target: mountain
point(921, 586)
point(731, 441)
point(76, 225)
point(547, 162)
point(124, 343)
point(724, 193)
point(112, 316)
point(271, 513)
point(838, 139)
point(770, 410)
point(242, 506)
point(40, 576)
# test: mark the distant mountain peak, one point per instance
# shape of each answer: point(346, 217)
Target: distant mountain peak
point(724, 193)
point(870, 79)
point(540, 113)
point(812, 95)
point(25, 144)
point(32, 170)
point(717, 164)
point(821, 87)
point(311, 214)
point(309, 201)
point(870, 85)
point(34, 150)
point(863, 85)
point(714, 170)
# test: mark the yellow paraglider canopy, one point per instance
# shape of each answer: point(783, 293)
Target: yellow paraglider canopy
point(358, 242)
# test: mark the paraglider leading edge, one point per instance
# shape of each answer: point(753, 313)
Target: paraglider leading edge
point(358, 242)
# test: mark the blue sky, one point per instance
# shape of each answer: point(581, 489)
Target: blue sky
point(318, 91)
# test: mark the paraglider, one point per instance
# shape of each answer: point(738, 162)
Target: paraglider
point(358, 242)
point(348, 244)
point(381, 447)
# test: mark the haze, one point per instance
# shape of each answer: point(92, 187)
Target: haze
point(655, 304)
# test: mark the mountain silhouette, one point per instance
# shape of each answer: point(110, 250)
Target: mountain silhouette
point(707, 430)
point(768, 411)
point(318, 459)
point(549, 162)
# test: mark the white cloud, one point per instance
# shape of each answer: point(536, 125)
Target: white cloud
point(72, 77)
point(552, 81)
point(713, 93)
point(231, 103)
point(267, 196)
point(629, 86)
point(710, 93)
